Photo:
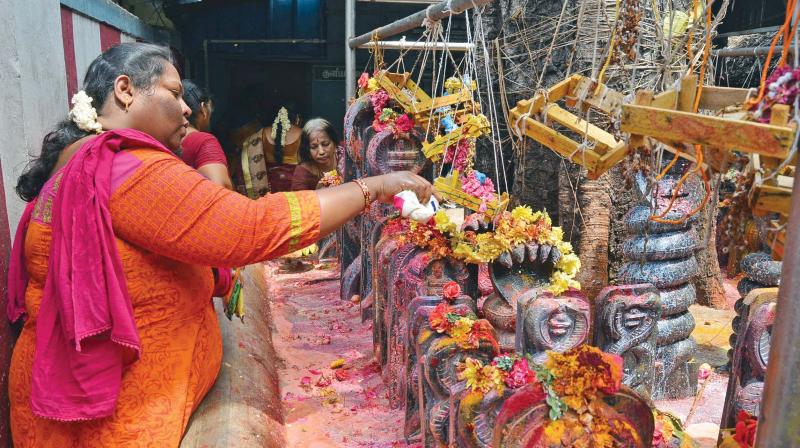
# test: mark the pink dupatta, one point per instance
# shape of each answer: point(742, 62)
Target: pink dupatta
point(85, 333)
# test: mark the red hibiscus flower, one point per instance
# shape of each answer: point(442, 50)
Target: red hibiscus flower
point(404, 124)
point(746, 426)
point(520, 374)
point(363, 80)
point(438, 318)
point(451, 290)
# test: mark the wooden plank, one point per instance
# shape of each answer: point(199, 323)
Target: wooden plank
point(450, 189)
point(716, 98)
point(449, 100)
point(688, 93)
point(609, 160)
point(692, 128)
point(677, 148)
point(604, 140)
point(665, 100)
point(780, 115)
point(602, 98)
point(771, 199)
point(560, 144)
point(643, 98)
point(535, 104)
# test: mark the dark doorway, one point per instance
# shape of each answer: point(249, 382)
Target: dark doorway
point(259, 89)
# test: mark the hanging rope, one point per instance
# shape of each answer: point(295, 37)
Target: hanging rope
point(698, 150)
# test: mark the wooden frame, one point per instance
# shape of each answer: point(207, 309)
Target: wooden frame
point(436, 148)
point(413, 99)
point(450, 188)
point(668, 118)
point(576, 91)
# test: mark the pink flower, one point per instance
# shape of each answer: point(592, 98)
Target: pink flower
point(378, 125)
point(483, 191)
point(519, 375)
point(379, 99)
point(703, 372)
point(658, 438)
point(363, 80)
point(458, 154)
point(404, 124)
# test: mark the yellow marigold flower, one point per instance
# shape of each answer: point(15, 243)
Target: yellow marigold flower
point(559, 283)
point(569, 264)
point(443, 223)
point(565, 247)
point(461, 329)
point(453, 85)
point(554, 432)
point(523, 212)
point(372, 85)
point(556, 235)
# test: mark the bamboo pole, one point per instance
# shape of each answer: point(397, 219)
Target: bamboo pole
point(433, 12)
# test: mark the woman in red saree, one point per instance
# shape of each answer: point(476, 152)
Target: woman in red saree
point(110, 263)
point(317, 154)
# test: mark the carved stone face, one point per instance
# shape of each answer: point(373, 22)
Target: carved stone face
point(556, 324)
point(633, 318)
point(437, 270)
point(560, 324)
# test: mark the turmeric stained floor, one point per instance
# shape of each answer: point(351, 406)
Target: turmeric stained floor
point(313, 327)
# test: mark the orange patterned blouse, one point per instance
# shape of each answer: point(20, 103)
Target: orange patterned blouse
point(171, 224)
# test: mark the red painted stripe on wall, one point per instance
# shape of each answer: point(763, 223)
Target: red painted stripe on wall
point(109, 37)
point(69, 51)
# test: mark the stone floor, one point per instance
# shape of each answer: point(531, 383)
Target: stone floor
point(346, 406)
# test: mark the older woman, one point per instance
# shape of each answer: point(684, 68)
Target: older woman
point(317, 154)
point(110, 262)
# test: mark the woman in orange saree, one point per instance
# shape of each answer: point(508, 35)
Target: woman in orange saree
point(110, 263)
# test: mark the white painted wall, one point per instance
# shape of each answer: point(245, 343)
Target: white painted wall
point(32, 86)
point(87, 44)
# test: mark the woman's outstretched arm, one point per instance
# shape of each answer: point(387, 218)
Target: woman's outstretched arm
point(168, 208)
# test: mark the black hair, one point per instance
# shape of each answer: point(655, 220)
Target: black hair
point(194, 96)
point(315, 124)
point(143, 63)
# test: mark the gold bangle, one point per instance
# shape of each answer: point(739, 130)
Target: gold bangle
point(365, 191)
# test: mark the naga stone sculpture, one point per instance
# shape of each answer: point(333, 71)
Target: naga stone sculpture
point(477, 413)
point(760, 271)
point(358, 120)
point(419, 337)
point(751, 355)
point(386, 151)
point(384, 250)
point(546, 322)
point(525, 268)
point(662, 254)
point(418, 274)
point(440, 386)
point(626, 324)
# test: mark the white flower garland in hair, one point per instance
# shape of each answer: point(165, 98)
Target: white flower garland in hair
point(83, 114)
point(283, 119)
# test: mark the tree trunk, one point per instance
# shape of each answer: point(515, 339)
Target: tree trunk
point(594, 197)
point(710, 291)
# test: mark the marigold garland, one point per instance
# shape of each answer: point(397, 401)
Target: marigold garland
point(574, 383)
point(520, 226)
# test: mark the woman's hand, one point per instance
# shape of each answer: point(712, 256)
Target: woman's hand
point(384, 187)
point(340, 203)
